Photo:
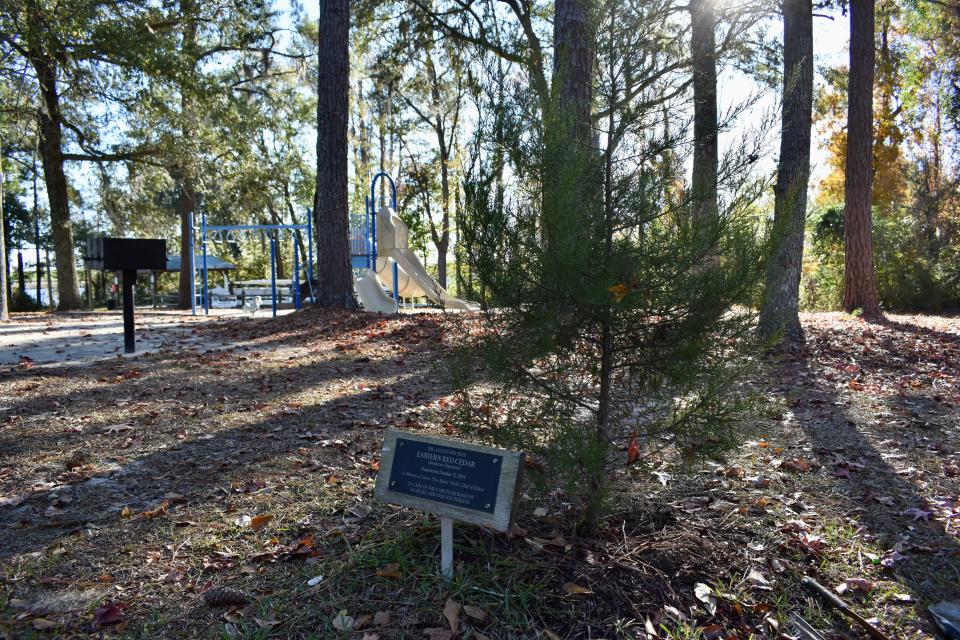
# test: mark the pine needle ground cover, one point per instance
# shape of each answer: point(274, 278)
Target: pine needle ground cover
point(228, 493)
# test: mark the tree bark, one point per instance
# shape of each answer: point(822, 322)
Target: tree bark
point(187, 195)
point(575, 52)
point(779, 313)
point(275, 219)
point(4, 274)
point(187, 203)
point(568, 187)
point(335, 276)
point(50, 122)
point(859, 287)
point(703, 23)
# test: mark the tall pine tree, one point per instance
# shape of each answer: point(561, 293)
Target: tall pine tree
point(779, 313)
point(859, 288)
point(335, 286)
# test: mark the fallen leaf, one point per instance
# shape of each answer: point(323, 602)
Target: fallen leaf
point(476, 613)
point(551, 634)
point(381, 619)
point(391, 570)
point(343, 622)
point(42, 624)
point(573, 588)
point(125, 512)
point(362, 620)
point(259, 522)
point(633, 449)
point(861, 585)
point(917, 513)
point(159, 511)
point(110, 613)
point(758, 579)
point(451, 611)
point(705, 595)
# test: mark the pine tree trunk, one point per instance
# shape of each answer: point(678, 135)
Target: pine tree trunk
point(703, 24)
point(859, 287)
point(4, 274)
point(571, 187)
point(275, 219)
point(575, 51)
point(779, 314)
point(50, 123)
point(187, 203)
point(335, 276)
point(568, 131)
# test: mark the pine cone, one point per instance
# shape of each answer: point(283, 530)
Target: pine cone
point(224, 597)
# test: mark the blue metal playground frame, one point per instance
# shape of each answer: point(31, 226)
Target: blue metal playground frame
point(363, 237)
point(274, 232)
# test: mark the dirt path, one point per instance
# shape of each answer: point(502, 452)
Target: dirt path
point(84, 337)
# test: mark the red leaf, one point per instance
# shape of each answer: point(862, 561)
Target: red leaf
point(633, 449)
point(110, 613)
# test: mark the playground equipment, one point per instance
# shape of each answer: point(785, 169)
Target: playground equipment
point(228, 233)
point(381, 246)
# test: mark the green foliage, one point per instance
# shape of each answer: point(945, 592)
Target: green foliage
point(607, 314)
point(911, 275)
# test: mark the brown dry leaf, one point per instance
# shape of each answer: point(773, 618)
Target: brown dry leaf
point(161, 510)
point(268, 623)
point(381, 619)
point(551, 635)
point(573, 589)
point(476, 613)
point(362, 620)
point(125, 512)
point(105, 577)
point(259, 522)
point(370, 636)
point(391, 570)
point(42, 624)
point(479, 636)
point(436, 633)
point(451, 611)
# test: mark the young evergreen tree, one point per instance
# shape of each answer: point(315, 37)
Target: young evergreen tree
point(604, 318)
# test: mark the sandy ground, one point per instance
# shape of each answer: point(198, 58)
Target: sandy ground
point(85, 337)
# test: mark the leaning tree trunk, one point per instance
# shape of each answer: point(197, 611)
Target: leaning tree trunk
point(335, 276)
point(859, 287)
point(51, 153)
point(779, 314)
point(703, 22)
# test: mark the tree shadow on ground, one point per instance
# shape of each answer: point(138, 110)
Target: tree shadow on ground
point(200, 463)
point(878, 495)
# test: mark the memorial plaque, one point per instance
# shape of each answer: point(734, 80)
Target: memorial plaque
point(449, 478)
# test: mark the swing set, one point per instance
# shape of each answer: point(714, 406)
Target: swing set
point(215, 234)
